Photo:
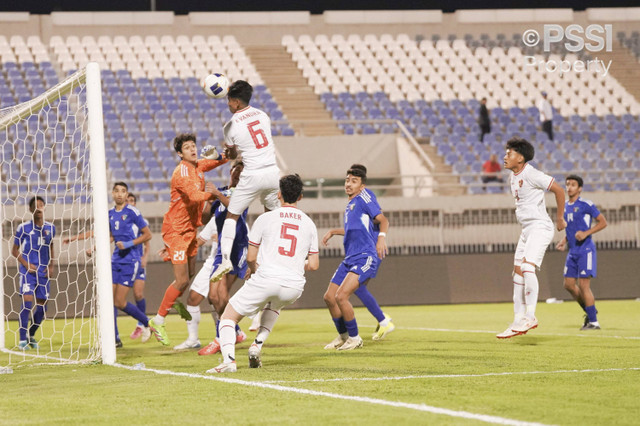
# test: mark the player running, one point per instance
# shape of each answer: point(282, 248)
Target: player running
point(33, 247)
point(247, 133)
point(128, 229)
point(188, 194)
point(580, 266)
point(285, 237)
point(217, 293)
point(527, 187)
point(363, 252)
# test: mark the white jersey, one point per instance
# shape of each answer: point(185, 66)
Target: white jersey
point(285, 237)
point(250, 131)
point(546, 112)
point(210, 230)
point(528, 188)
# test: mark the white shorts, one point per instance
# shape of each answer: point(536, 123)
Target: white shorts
point(533, 243)
point(200, 283)
point(256, 292)
point(262, 183)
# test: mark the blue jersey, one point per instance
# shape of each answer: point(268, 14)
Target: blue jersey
point(359, 235)
point(579, 216)
point(219, 211)
point(125, 225)
point(140, 247)
point(35, 245)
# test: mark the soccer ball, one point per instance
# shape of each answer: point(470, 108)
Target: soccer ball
point(216, 85)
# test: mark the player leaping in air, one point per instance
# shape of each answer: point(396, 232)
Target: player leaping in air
point(188, 194)
point(248, 133)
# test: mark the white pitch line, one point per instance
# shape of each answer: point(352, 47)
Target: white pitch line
point(439, 376)
point(590, 335)
point(396, 404)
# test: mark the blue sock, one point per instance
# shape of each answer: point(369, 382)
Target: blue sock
point(25, 313)
point(339, 322)
point(115, 322)
point(131, 310)
point(38, 316)
point(352, 327)
point(591, 313)
point(142, 306)
point(369, 302)
point(218, 329)
point(238, 329)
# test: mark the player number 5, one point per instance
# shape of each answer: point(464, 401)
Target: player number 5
point(257, 132)
point(285, 235)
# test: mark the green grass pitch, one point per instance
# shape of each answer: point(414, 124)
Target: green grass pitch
point(442, 365)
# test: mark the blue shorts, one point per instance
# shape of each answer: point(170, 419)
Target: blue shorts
point(124, 273)
point(365, 266)
point(238, 260)
point(581, 264)
point(34, 285)
point(141, 274)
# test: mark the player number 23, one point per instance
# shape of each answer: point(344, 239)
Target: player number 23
point(255, 133)
point(178, 255)
point(285, 235)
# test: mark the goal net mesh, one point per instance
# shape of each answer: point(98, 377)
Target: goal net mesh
point(44, 151)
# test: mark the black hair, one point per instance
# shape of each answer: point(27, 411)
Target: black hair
point(182, 138)
point(521, 146)
point(358, 170)
point(34, 200)
point(576, 178)
point(242, 90)
point(135, 199)
point(290, 188)
point(121, 184)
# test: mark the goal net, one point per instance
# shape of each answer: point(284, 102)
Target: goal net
point(52, 147)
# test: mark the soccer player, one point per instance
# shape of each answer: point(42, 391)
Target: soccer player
point(363, 251)
point(580, 266)
point(33, 247)
point(286, 237)
point(248, 133)
point(138, 284)
point(188, 194)
point(128, 229)
point(528, 186)
point(217, 293)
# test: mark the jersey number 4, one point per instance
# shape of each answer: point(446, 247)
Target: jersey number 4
point(285, 235)
point(257, 132)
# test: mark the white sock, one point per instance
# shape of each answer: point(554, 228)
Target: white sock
point(531, 288)
point(267, 321)
point(158, 319)
point(228, 340)
point(192, 326)
point(518, 296)
point(384, 322)
point(227, 236)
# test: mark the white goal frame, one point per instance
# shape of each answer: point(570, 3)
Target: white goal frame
point(104, 315)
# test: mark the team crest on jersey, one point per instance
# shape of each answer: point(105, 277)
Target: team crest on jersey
point(575, 209)
point(352, 206)
point(46, 232)
point(124, 217)
point(520, 183)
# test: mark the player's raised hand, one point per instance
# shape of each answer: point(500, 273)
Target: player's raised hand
point(211, 188)
point(210, 152)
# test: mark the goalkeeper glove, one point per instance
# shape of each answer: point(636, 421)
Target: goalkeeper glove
point(210, 152)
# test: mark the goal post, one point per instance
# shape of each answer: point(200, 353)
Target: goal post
point(53, 146)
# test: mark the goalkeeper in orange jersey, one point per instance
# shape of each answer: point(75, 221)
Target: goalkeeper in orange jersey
point(188, 196)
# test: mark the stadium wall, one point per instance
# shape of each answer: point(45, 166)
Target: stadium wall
point(402, 280)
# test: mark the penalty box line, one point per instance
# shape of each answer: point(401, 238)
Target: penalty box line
point(396, 404)
point(588, 334)
point(449, 376)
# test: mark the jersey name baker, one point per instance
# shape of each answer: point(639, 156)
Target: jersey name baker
point(290, 215)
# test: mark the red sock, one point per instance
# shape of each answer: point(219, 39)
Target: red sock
point(168, 300)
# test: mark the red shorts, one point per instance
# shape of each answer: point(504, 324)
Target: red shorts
point(181, 246)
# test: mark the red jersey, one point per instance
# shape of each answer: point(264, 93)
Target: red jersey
point(188, 196)
point(491, 166)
